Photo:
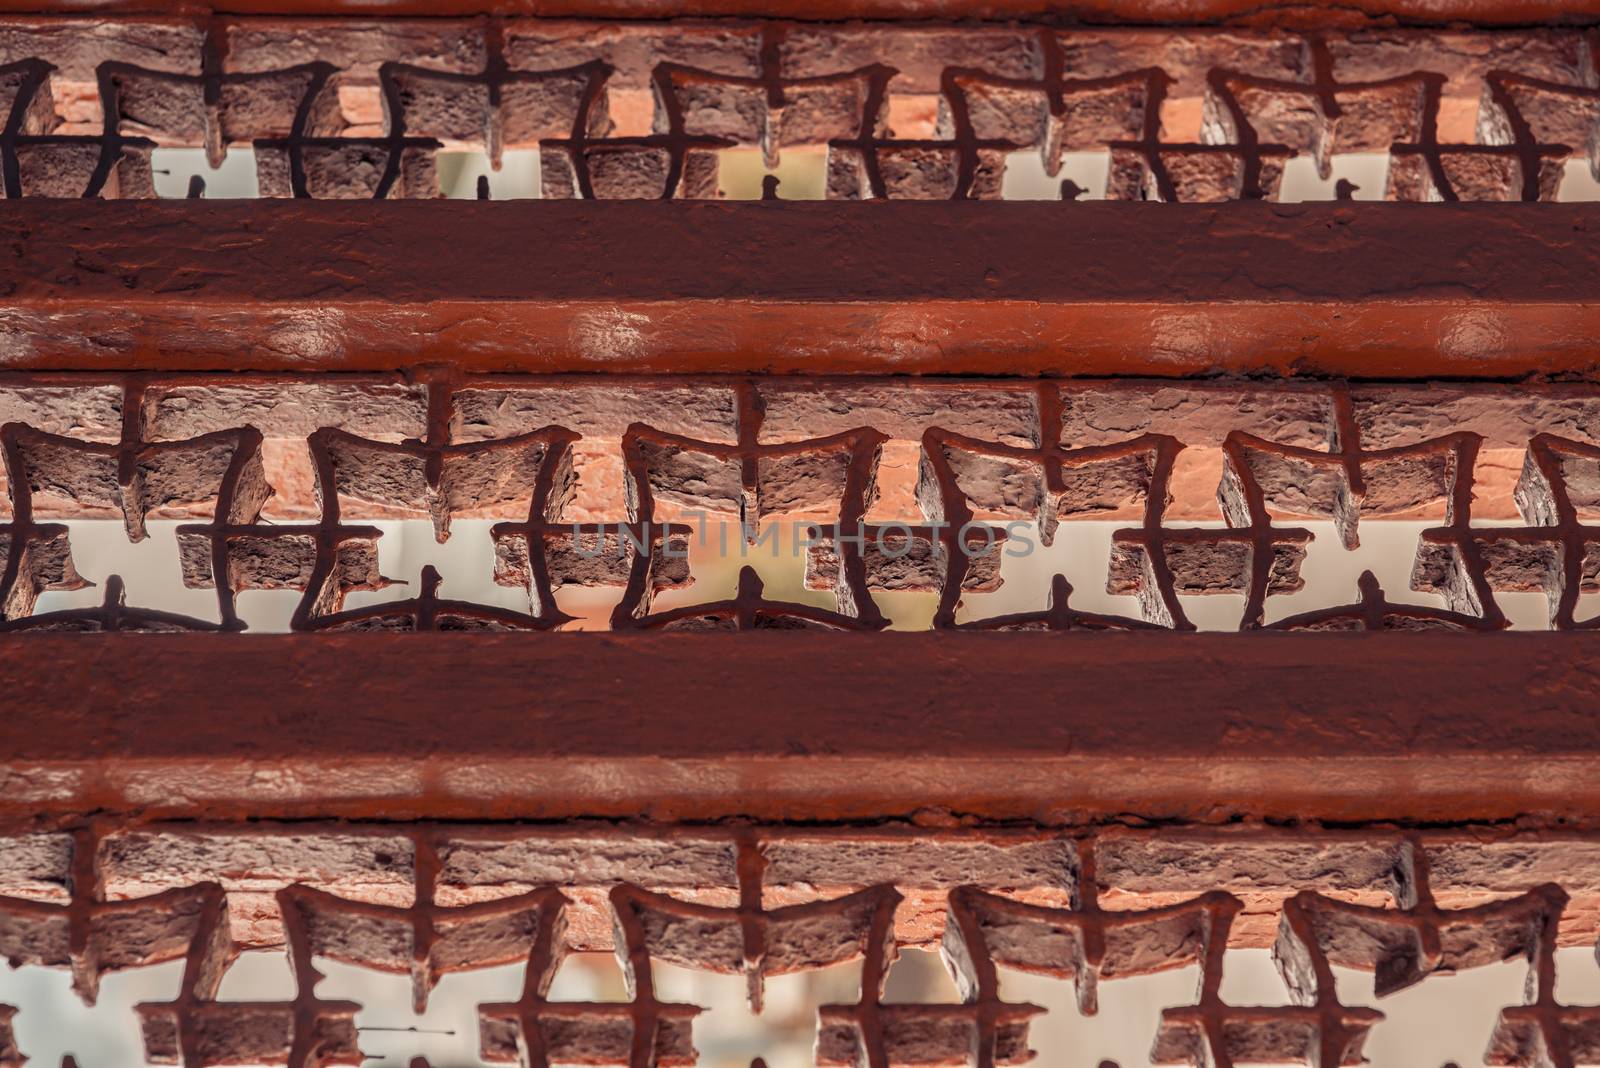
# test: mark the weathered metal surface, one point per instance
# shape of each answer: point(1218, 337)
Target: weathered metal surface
point(1031, 727)
point(1010, 289)
point(363, 107)
point(1091, 906)
point(887, 486)
point(1382, 14)
point(281, 375)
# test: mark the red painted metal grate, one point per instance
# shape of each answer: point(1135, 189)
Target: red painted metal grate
point(896, 486)
point(278, 380)
point(361, 108)
point(763, 902)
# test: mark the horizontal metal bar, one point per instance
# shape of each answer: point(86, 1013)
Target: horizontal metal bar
point(1395, 291)
point(799, 726)
point(1247, 12)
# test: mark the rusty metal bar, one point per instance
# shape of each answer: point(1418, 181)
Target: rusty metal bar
point(803, 726)
point(1419, 12)
point(1068, 289)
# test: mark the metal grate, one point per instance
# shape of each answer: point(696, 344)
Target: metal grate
point(1092, 907)
point(362, 108)
point(1167, 801)
point(887, 486)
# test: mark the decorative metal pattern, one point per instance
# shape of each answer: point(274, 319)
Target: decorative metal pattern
point(895, 485)
point(277, 481)
point(770, 901)
point(361, 108)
